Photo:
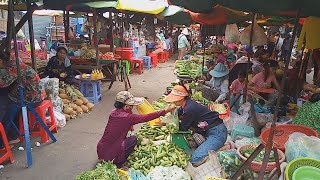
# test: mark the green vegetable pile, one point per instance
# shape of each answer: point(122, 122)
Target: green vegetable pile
point(247, 153)
point(197, 96)
point(187, 69)
point(155, 133)
point(160, 104)
point(146, 157)
point(103, 171)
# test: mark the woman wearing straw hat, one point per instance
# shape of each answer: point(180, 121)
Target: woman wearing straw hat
point(217, 88)
point(113, 145)
point(200, 119)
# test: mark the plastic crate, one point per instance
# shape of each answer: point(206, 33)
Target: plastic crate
point(146, 108)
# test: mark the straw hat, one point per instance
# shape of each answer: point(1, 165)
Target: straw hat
point(178, 93)
point(219, 70)
point(127, 98)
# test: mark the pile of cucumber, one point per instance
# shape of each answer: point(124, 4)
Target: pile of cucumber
point(146, 157)
point(187, 69)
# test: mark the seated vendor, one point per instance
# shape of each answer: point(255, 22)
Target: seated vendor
point(219, 56)
point(32, 91)
point(236, 89)
point(200, 119)
point(114, 144)
point(159, 45)
point(210, 66)
point(309, 113)
point(266, 78)
point(218, 87)
point(59, 66)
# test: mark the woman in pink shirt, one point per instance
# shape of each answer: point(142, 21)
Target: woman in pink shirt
point(266, 78)
point(114, 144)
point(236, 89)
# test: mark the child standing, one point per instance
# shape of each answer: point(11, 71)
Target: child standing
point(236, 89)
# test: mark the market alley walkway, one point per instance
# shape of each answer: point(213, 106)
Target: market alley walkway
point(75, 149)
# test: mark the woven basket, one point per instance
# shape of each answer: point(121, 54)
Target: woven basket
point(256, 166)
point(300, 162)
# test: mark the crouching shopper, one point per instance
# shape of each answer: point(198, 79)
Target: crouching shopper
point(114, 144)
point(200, 119)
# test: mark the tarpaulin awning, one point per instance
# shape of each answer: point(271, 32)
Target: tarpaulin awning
point(275, 7)
point(143, 6)
point(219, 15)
point(200, 6)
point(63, 4)
point(21, 6)
point(48, 13)
point(175, 15)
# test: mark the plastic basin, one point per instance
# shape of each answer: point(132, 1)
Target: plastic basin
point(306, 173)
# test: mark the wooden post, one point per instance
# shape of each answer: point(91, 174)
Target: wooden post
point(10, 25)
point(31, 35)
point(68, 25)
point(111, 30)
point(95, 17)
point(245, 92)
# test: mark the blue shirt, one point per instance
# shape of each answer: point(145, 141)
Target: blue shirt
point(194, 113)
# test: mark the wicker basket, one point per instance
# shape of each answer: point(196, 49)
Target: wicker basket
point(256, 166)
point(300, 162)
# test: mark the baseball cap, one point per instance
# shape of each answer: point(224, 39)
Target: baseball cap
point(127, 98)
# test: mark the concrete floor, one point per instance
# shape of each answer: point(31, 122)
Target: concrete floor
point(75, 149)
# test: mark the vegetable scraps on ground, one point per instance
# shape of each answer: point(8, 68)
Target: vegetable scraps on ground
point(103, 171)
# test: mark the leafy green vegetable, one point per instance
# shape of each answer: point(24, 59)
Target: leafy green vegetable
point(197, 96)
point(247, 153)
point(103, 171)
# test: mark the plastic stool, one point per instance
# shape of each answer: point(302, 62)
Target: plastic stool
point(91, 90)
point(147, 62)
point(161, 57)
point(35, 128)
point(6, 151)
point(154, 59)
point(127, 64)
point(137, 69)
point(166, 57)
point(242, 130)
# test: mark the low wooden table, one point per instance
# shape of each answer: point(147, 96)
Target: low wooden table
point(109, 67)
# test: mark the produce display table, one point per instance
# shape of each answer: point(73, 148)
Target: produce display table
point(109, 68)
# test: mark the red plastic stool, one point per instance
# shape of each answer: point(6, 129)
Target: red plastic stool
point(154, 59)
point(137, 69)
point(35, 128)
point(162, 57)
point(6, 151)
point(166, 53)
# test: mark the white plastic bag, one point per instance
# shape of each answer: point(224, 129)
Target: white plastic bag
point(168, 173)
point(60, 119)
point(259, 37)
point(300, 145)
point(210, 168)
point(232, 33)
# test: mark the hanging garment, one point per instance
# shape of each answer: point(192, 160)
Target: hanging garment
point(310, 32)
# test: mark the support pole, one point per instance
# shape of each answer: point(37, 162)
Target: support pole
point(31, 35)
point(111, 30)
point(20, 24)
point(275, 117)
point(10, 26)
point(96, 39)
point(68, 25)
point(249, 59)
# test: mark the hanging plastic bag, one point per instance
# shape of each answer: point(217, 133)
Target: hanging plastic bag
point(232, 33)
point(210, 168)
point(300, 145)
point(259, 37)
